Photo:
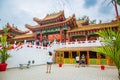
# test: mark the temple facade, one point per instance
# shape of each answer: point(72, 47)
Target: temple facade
point(64, 30)
point(53, 25)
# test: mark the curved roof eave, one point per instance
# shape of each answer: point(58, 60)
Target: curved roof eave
point(47, 25)
point(95, 26)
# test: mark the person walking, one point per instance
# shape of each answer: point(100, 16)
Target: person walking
point(49, 62)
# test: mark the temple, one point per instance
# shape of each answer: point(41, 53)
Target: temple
point(77, 37)
point(53, 24)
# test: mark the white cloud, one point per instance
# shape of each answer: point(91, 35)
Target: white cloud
point(20, 12)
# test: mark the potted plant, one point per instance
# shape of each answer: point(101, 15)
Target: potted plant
point(60, 60)
point(3, 52)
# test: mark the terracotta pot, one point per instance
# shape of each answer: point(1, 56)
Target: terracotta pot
point(3, 66)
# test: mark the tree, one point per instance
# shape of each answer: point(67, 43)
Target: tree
point(110, 45)
point(115, 3)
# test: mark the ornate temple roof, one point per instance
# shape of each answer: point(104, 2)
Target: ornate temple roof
point(54, 15)
point(94, 26)
point(14, 29)
point(49, 16)
point(49, 25)
point(1, 31)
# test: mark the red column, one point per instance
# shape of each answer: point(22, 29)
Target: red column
point(47, 36)
point(86, 35)
point(35, 36)
point(68, 33)
point(41, 36)
point(60, 33)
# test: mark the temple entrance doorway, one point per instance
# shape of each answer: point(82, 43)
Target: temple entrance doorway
point(66, 57)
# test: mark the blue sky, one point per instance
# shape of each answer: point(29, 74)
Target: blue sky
point(21, 12)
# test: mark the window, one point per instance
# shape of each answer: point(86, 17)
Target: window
point(66, 54)
point(92, 54)
point(102, 56)
point(74, 54)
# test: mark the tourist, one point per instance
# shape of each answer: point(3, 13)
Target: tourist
point(77, 61)
point(49, 62)
point(83, 60)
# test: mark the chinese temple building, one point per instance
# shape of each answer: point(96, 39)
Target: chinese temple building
point(53, 24)
point(67, 31)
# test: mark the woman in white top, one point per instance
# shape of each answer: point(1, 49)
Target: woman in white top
point(77, 61)
point(49, 62)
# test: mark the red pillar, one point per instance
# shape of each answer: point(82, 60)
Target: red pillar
point(86, 35)
point(35, 36)
point(47, 36)
point(41, 36)
point(60, 33)
point(68, 33)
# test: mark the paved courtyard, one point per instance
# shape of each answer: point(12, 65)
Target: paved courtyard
point(67, 72)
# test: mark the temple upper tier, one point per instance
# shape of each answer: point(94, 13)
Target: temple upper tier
point(56, 26)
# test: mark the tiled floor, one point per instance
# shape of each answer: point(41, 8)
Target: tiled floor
point(67, 72)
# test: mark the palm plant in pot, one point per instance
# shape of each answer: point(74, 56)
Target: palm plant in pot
point(3, 51)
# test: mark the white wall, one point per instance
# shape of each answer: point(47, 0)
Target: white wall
point(25, 54)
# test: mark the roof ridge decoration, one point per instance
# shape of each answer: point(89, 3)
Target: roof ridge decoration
point(60, 12)
point(15, 29)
